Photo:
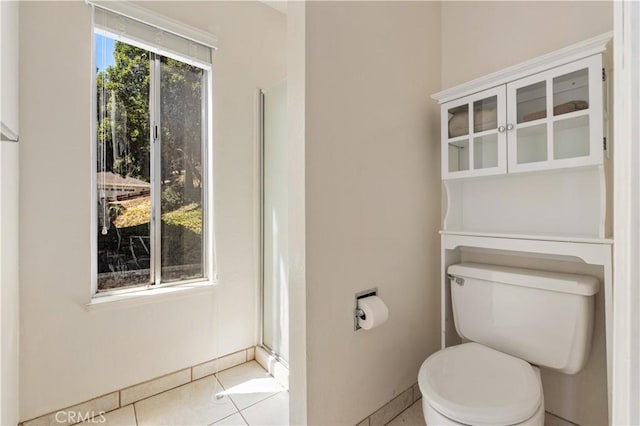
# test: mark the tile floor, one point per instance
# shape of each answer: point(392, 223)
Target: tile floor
point(242, 395)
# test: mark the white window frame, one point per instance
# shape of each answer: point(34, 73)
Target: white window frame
point(210, 276)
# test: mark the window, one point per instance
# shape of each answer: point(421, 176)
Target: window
point(152, 168)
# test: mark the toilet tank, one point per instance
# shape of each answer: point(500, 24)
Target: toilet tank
point(545, 318)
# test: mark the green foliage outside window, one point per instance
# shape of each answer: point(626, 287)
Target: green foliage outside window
point(124, 127)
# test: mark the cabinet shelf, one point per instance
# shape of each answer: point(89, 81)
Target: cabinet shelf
point(537, 237)
point(462, 138)
point(555, 118)
point(570, 115)
point(532, 123)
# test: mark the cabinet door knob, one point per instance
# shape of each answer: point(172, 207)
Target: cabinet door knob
point(509, 126)
point(501, 129)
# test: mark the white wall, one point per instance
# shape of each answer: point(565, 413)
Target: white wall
point(296, 103)
point(9, 283)
point(67, 353)
point(626, 297)
point(9, 315)
point(9, 65)
point(482, 37)
point(9, 309)
point(479, 37)
point(372, 200)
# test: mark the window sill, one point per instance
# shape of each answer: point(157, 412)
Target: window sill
point(142, 297)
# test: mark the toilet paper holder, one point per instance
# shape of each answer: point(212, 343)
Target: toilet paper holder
point(359, 313)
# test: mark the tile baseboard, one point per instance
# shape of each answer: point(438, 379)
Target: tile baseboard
point(120, 398)
point(155, 386)
point(211, 367)
point(273, 366)
point(551, 419)
point(84, 410)
point(393, 408)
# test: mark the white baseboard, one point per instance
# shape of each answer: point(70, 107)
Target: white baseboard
point(270, 363)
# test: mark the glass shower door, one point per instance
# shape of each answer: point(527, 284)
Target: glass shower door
point(275, 255)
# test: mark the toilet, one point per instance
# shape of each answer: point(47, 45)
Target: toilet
point(511, 321)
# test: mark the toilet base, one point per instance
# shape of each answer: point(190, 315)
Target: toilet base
point(434, 418)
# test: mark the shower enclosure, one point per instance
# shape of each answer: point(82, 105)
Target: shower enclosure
point(274, 221)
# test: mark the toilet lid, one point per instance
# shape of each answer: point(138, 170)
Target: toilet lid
point(477, 385)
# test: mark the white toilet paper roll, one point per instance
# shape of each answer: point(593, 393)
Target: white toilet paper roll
point(375, 312)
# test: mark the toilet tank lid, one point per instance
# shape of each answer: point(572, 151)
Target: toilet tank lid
point(583, 285)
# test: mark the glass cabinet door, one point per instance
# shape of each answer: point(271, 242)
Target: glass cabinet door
point(554, 118)
point(473, 135)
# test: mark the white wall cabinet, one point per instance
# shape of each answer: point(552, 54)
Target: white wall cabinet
point(522, 148)
point(548, 120)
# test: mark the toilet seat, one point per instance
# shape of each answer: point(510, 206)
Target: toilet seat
point(476, 385)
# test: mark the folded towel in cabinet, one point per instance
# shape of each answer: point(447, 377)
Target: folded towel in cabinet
point(459, 124)
point(483, 119)
point(557, 110)
point(570, 107)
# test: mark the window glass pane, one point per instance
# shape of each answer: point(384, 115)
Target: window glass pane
point(532, 144)
point(123, 173)
point(485, 114)
point(571, 138)
point(485, 151)
point(181, 110)
point(571, 92)
point(459, 121)
point(532, 102)
point(459, 156)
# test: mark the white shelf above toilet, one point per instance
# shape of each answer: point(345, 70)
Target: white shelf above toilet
point(562, 205)
point(507, 204)
point(536, 237)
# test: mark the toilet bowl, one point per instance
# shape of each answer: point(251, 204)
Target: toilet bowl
point(471, 384)
point(513, 318)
